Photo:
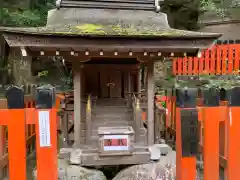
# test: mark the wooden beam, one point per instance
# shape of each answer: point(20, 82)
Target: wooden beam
point(150, 97)
point(77, 104)
point(134, 44)
point(80, 54)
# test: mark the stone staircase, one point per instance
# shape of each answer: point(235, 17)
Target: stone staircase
point(112, 113)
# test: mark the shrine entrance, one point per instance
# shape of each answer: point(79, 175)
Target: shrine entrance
point(107, 78)
point(111, 85)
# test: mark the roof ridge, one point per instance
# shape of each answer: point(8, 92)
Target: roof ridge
point(150, 5)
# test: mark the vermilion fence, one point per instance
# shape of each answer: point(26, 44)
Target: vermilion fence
point(222, 116)
point(219, 59)
point(30, 136)
point(30, 132)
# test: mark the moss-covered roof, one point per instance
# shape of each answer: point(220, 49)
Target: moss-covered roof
point(110, 30)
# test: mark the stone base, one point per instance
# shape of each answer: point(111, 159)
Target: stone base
point(75, 172)
point(88, 157)
point(92, 158)
point(95, 159)
point(158, 150)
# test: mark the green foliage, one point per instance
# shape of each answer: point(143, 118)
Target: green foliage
point(32, 17)
point(182, 14)
point(42, 73)
point(222, 8)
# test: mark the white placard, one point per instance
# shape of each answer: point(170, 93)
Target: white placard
point(116, 148)
point(44, 128)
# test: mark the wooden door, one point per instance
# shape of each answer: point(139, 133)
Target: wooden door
point(111, 84)
point(104, 80)
point(116, 84)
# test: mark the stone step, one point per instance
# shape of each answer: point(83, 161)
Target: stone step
point(111, 116)
point(111, 119)
point(110, 109)
point(111, 124)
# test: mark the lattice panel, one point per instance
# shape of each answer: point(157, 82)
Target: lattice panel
point(219, 60)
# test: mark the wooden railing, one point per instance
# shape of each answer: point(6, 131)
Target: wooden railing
point(222, 133)
point(88, 119)
point(30, 133)
point(139, 106)
point(220, 59)
point(30, 136)
point(159, 123)
point(171, 127)
point(137, 116)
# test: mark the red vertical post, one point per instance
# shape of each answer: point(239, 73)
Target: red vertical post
point(230, 58)
point(211, 117)
point(195, 66)
point(185, 66)
point(174, 66)
point(186, 134)
point(46, 132)
point(236, 64)
point(218, 60)
point(201, 65)
point(213, 60)
point(190, 66)
point(16, 126)
point(168, 107)
point(224, 59)
point(233, 156)
point(207, 61)
point(180, 66)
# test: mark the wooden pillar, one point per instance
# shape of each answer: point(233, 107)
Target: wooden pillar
point(129, 82)
point(129, 90)
point(77, 103)
point(150, 102)
point(139, 81)
point(82, 81)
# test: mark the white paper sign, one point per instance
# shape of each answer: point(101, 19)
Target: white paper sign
point(44, 128)
point(116, 147)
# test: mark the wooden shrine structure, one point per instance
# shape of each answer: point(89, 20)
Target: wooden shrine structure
point(105, 43)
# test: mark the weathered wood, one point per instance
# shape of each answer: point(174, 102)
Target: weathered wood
point(137, 44)
point(139, 81)
point(65, 128)
point(138, 120)
point(150, 100)
point(159, 123)
point(129, 90)
point(88, 120)
point(77, 104)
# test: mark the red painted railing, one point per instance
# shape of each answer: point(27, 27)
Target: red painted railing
point(219, 60)
point(30, 132)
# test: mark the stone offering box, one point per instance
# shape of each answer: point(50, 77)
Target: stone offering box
point(116, 140)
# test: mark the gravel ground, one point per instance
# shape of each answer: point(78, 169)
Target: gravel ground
point(31, 164)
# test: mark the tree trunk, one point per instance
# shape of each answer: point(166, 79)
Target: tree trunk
point(20, 68)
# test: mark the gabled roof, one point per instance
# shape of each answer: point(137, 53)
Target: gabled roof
point(110, 22)
point(112, 31)
point(125, 29)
